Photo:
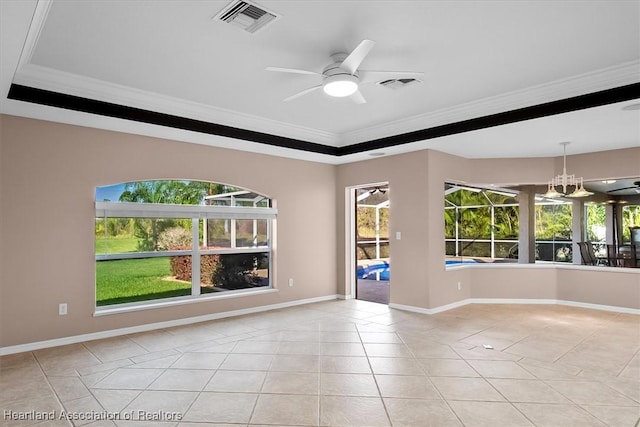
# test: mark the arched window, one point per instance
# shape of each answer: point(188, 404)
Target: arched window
point(181, 240)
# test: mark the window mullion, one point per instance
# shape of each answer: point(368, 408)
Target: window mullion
point(233, 234)
point(195, 256)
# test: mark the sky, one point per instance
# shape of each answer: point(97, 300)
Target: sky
point(109, 192)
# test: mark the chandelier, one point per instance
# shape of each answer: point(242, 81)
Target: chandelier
point(565, 181)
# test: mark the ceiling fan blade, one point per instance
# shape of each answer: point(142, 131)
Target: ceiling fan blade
point(292, 70)
point(357, 55)
point(621, 189)
point(358, 98)
point(304, 92)
point(372, 75)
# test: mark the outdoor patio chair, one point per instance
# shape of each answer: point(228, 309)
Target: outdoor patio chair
point(588, 256)
point(612, 256)
point(627, 256)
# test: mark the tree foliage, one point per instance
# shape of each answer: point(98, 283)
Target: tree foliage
point(147, 231)
point(553, 222)
point(366, 218)
point(630, 218)
point(470, 212)
point(596, 222)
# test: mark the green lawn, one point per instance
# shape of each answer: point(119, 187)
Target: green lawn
point(131, 280)
point(116, 245)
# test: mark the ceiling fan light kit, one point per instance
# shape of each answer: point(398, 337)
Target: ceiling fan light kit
point(340, 85)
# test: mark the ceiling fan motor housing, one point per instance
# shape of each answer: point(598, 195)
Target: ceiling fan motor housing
point(335, 68)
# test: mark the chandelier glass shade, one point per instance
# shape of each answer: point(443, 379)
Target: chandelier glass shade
point(566, 181)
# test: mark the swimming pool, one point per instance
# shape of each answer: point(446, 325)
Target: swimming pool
point(370, 272)
point(456, 261)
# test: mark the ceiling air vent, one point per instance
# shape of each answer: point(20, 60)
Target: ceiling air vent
point(246, 15)
point(398, 83)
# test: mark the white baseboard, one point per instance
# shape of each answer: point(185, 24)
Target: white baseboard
point(429, 310)
point(545, 301)
point(602, 307)
point(461, 303)
point(20, 348)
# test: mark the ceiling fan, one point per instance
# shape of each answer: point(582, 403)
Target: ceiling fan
point(378, 190)
point(342, 77)
point(636, 186)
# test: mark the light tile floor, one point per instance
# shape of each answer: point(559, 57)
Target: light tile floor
point(343, 363)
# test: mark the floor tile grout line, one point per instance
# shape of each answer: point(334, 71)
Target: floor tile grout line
point(636, 354)
point(574, 347)
point(573, 402)
point(46, 378)
point(597, 417)
point(506, 399)
point(91, 390)
point(375, 380)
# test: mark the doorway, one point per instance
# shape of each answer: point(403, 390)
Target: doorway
point(370, 237)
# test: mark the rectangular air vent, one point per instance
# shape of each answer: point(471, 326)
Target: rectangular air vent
point(398, 83)
point(246, 15)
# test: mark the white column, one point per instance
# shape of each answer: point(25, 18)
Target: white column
point(527, 226)
point(493, 231)
point(377, 232)
point(608, 222)
point(577, 228)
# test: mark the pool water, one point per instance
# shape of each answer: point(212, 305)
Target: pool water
point(370, 272)
point(456, 262)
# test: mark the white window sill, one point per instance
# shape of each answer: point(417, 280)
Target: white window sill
point(172, 302)
point(544, 265)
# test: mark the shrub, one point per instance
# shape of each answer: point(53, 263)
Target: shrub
point(236, 271)
point(177, 239)
point(208, 266)
point(174, 239)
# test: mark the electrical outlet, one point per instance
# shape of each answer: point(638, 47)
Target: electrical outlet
point(459, 286)
point(62, 309)
point(290, 283)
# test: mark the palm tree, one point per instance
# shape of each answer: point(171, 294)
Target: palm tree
point(164, 192)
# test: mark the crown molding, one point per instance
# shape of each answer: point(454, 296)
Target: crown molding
point(53, 80)
point(38, 19)
point(595, 81)
point(65, 102)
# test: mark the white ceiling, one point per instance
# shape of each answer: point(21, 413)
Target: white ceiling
point(479, 58)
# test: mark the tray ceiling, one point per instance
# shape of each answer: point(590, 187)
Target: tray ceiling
point(480, 59)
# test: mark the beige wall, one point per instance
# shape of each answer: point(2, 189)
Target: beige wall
point(418, 275)
point(517, 282)
point(407, 178)
point(594, 285)
point(615, 288)
point(48, 175)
